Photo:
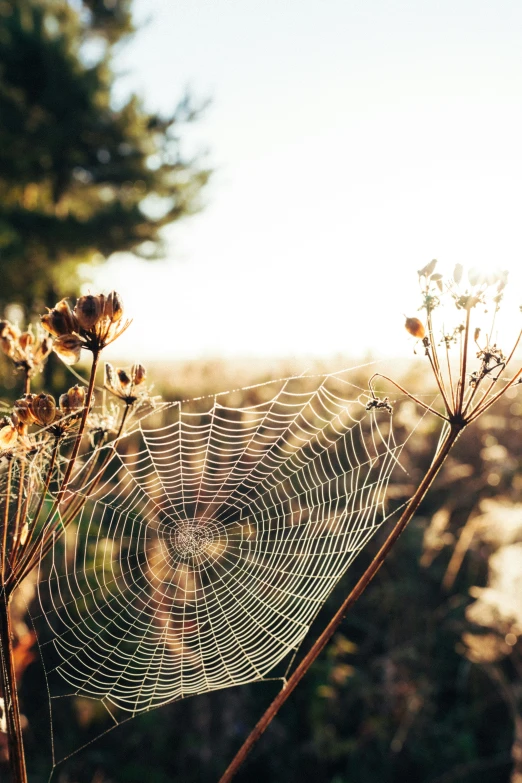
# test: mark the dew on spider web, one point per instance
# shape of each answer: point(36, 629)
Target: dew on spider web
point(217, 533)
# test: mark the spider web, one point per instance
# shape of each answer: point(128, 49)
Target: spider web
point(218, 531)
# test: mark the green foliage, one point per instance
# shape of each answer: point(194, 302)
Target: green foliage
point(80, 178)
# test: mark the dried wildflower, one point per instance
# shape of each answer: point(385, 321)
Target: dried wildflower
point(415, 327)
point(123, 383)
point(93, 324)
point(27, 350)
point(99, 318)
point(8, 433)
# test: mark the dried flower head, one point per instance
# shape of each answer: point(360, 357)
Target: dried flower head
point(28, 351)
point(94, 323)
point(124, 383)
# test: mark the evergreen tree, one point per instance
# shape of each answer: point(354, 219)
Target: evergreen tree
point(75, 169)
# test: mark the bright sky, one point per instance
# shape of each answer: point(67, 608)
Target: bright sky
point(354, 140)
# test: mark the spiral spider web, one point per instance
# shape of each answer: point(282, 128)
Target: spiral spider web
point(216, 535)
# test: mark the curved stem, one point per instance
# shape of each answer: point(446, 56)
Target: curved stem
point(364, 581)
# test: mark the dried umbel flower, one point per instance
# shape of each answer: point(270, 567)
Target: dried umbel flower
point(27, 350)
point(94, 323)
point(415, 327)
point(8, 434)
point(123, 383)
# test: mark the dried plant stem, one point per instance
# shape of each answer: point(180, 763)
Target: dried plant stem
point(10, 695)
point(81, 430)
point(6, 517)
point(453, 433)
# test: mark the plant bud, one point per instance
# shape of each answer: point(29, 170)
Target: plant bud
point(8, 434)
point(138, 374)
point(23, 408)
point(88, 311)
point(68, 347)
point(114, 307)
point(44, 409)
point(415, 327)
point(123, 378)
point(60, 320)
point(477, 333)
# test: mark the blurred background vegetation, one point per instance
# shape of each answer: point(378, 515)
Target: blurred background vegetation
point(423, 682)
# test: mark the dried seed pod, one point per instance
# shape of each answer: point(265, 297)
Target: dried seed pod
point(457, 273)
point(477, 333)
point(43, 349)
point(76, 395)
point(114, 307)
point(60, 320)
point(111, 379)
point(474, 276)
point(68, 347)
point(8, 434)
point(23, 409)
point(427, 270)
point(415, 327)
point(88, 311)
point(138, 374)
point(123, 378)
point(44, 409)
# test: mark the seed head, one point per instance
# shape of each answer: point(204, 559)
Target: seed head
point(415, 328)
